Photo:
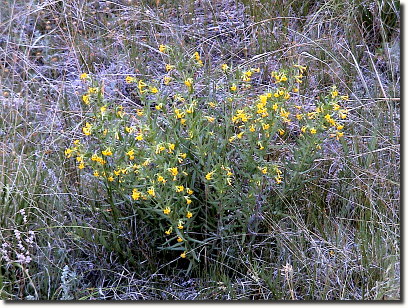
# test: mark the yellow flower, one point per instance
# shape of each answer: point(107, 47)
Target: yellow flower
point(181, 157)
point(281, 131)
point(284, 114)
point(188, 200)
point(167, 210)
point(248, 73)
point(179, 239)
point(263, 99)
point(189, 214)
point(179, 188)
point(161, 179)
point(147, 162)
point(103, 110)
point(264, 170)
point(154, 90)
point(87, 129)
point(313, 131)
point(334, 93)
point(275, 106)
point(189, 191)
point(68, 152)
point(111, 179)
point(241, 115)
point(311, 115)
point(166, 80)
point(189, 83)
point(139, 112)
point(261, 147)
point(196, 56)
point(151, 191)
point(343, 113)
point(224, 67)
point(131, 154)
point(96, 173)
point(120, 112)
point(209, 175)
point(299, 78)
point(178, 114)
point(300, 67)
point(295, 89)
point(246, 78)
point(303, 129)
point(233, 87)
point(81, 166)
point(136, 194)
point(340, 127)
point(139, 137)
point(265, 126)
point(92, 90)
point(107, 152)
point(344, 97)
point(278, 179)
point(173, 171)
point(83, 76)
point(299, 116)
point(159, 106)
point(239, 136)
point(76, 142)
point(180, 225)
point(163, 48)
point(168, 232)
point(130, 79)
point(210, 119)
point(171, 147)
point(212, 104)
point(169, 67)
point(85, 99)
point(183, 255)
point(252, 128)
point(141, 85)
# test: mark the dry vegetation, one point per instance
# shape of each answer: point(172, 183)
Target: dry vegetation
point(336, 236)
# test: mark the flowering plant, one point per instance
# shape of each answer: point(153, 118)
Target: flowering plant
point(194, 158)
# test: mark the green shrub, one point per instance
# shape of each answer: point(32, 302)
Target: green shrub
point(197, 159)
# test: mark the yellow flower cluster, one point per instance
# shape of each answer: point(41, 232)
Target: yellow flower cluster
point(154, 154)
point(87, 129)
point(197, 58)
